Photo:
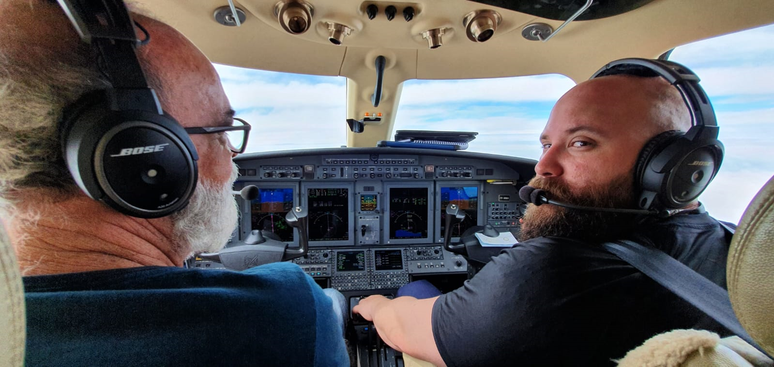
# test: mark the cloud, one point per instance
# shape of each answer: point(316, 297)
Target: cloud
point(290, 128)
point(737, 81)
point(296, 95)
point(749, 48)
point(729, 194)
point(521, 89)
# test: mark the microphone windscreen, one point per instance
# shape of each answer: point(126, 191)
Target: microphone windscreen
point(525, 191)
point(537, 197)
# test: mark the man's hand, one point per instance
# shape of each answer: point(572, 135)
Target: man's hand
point(368, 306)
point(404, 323)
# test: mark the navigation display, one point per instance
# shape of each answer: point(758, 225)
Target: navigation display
point(408, 212)
point(466, 198)
point(268, 210)
point(328, 214)
point(388, 259)
point(368, 202)
point(350, 260)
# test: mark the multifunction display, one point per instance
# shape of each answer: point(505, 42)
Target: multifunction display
point(408, 212)
point(268, 212)
point(368, 202)
point(466, 198)
point(350, 261)
point(388, 259)
point(328, 214)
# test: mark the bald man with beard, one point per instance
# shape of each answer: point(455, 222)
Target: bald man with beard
point(558, 298)
point(104, 288)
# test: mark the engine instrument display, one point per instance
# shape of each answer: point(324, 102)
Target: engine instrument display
point(408, 212)
point(388, 259)
point(368, 202)
point(328, 214)
point(268, 210)
point(466, 198)
point(350, 260)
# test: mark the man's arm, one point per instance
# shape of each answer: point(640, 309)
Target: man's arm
point(404, 323)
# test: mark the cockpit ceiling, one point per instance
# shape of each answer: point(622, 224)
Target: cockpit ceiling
point(564, 9)
point(641, 28)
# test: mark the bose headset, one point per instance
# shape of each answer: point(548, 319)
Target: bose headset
point(118, 144)
point(674, 168)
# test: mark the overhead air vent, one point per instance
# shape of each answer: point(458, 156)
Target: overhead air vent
point(295, 17)
point(481, 25)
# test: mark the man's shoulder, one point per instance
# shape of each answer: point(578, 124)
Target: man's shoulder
point(552, 249)
point(281, 277)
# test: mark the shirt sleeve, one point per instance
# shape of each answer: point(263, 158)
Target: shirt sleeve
point(520, 307)
point(330, 349)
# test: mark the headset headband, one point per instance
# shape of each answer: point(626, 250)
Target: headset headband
point(679, 76)
point(108, 25)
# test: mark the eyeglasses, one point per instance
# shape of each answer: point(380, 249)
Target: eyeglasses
point(236, 135)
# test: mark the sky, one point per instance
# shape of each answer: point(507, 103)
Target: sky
point(290, 111)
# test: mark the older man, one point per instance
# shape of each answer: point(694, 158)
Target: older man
point(105, 288)
point(557, 297)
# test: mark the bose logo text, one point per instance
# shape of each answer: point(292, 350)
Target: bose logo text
point(699, 163)
point(140, 150)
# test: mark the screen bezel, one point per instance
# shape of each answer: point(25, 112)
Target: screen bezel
point(350, 212)
point(386, 210)
point(336, 261)
point(479, 210)
point(246, 206)
point(403, 264)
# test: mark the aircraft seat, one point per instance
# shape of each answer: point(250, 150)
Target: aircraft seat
point(750, 276)
point(12, 319)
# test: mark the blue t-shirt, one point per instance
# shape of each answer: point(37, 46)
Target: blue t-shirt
point(271, 315)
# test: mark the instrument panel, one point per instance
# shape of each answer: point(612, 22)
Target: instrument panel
point(377, 215)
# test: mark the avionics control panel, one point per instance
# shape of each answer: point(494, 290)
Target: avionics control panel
point(378, 268)
point(380, 196)
point(377, 215)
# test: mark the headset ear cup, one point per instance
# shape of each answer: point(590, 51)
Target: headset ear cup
point(139, 163)
point(654, 146)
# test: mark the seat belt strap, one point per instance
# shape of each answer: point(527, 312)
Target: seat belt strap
point(682, 281)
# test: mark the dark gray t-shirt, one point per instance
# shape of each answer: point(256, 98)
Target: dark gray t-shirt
point(555, 301)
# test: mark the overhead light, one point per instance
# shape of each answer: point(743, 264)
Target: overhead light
point(337, 32)
point(434, 37)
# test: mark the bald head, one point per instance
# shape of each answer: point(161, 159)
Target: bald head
point(646, 106)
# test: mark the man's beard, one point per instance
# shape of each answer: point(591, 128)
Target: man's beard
point(586, 225)
point(206, 224)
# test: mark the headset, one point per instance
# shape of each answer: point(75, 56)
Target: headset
point(118, 144)
point(674, 168)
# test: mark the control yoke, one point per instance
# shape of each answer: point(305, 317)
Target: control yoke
point(453, 210)
point(297, 218)
point(257, 249)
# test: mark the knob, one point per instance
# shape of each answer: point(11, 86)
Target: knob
point(390, 12)
point(408, 13)
point(371, 11)
point(458, 263)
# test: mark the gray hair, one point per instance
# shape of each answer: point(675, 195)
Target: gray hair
point(32, 97)
point(37, 82)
